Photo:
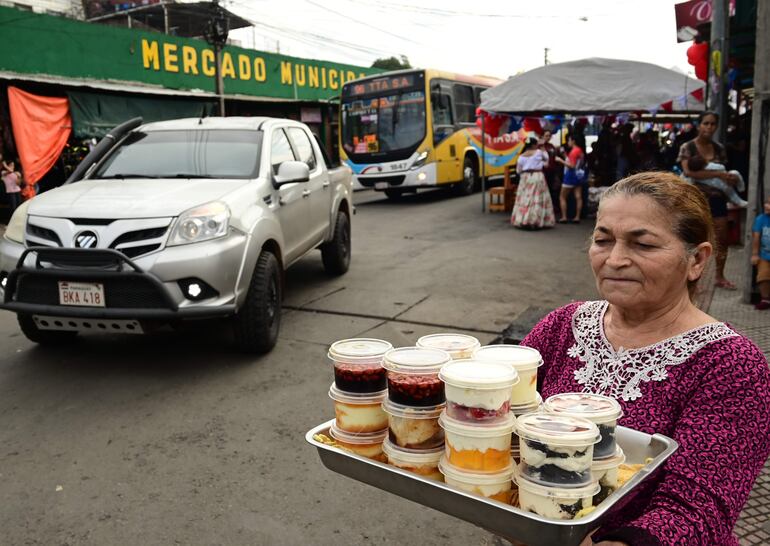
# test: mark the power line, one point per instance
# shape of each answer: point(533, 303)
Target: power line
point(366, 24)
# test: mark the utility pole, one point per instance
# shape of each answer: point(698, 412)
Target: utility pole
point(216, 36)
point(545, 56)
point(720, 24)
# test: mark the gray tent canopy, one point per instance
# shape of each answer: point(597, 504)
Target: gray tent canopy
point(593, 86)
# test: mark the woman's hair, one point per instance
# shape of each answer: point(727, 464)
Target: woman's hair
point(703, 115)
point(681, 201)
point(531, 142)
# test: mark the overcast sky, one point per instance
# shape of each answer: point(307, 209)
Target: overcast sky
point(495, 38)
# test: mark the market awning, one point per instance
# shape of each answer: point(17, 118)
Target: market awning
point(595, 86)
point(94, 114)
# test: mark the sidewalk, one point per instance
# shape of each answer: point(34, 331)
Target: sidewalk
point(753, 526)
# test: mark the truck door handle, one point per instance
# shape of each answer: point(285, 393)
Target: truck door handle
point(306, 193)
point(326, 184)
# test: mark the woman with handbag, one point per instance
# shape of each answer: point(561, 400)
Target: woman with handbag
point(574, 177)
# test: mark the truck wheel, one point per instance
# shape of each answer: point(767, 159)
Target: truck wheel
point(43, 337)
point(470, 177)
point(336, 253)
point(257, 322)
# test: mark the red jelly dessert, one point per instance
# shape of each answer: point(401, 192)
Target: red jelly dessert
point(469, 413)
point(415, 390)
point(358, 378)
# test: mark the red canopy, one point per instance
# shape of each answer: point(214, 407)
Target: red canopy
point(41, 127)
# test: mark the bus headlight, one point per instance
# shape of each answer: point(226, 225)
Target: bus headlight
point(420, 161)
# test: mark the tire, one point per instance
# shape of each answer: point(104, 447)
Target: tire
point(470, 177)
point(394, 195)
point(43, 337)
point(257, 322)
point(336, 253)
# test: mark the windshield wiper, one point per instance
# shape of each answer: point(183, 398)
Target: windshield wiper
point(123, 176)
point(185, 175)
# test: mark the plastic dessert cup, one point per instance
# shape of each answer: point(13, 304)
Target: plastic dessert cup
point(366, 444)
point(525, 360)
point(477, 447)
point(477, 391)
point(605, 471)
point(556, 450)
point(422, 462)
point(359, 412)
point(413, 376)
point(358, 364)
point(496, 486)
point(521, 410)
point(602, 410)
point(414, 427)
point(459, 346)
point(554, 502)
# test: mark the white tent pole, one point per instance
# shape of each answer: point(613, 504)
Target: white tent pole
point(483, 166)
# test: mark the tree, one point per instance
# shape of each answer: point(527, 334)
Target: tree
point(392, 63)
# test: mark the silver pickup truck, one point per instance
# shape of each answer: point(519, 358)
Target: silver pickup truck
point(183, 219)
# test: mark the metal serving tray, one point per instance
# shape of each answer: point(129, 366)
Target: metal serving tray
point(501, 519)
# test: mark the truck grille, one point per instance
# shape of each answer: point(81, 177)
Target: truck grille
point(48, 235)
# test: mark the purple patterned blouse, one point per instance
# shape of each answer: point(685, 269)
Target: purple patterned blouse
point(708, 388)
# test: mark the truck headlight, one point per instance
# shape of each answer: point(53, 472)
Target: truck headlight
point(202, 223)
point(17, 226)
point(420, 161)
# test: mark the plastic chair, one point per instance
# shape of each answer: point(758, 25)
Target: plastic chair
point(496, 199)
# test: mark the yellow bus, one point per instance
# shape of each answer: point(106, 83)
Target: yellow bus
point(411, 129)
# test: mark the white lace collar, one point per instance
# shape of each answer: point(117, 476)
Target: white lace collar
point(620, 373)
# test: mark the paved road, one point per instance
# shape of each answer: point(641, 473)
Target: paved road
point(175, 439)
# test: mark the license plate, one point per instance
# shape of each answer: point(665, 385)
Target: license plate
point(87, 294)
point(380, 185)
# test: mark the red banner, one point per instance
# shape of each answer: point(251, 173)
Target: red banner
point(690, 15)
point(41, 127)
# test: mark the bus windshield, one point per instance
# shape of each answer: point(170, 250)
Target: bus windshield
point(383, 124)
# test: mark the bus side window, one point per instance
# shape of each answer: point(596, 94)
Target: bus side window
point(442, 107)
point(477, 95)
point(464, 103)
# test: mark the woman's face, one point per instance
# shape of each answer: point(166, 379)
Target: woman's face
point(637, 260)
point(707, 126)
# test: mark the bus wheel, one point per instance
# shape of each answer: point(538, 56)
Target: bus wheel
point(470, 177)
point(394, 195)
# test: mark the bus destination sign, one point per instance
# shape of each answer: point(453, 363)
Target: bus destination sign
point(391, 83)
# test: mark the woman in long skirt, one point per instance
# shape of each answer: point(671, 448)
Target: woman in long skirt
point(533, 208)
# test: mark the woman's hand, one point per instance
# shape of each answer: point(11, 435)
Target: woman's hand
point(754, 259)
point(729, 178)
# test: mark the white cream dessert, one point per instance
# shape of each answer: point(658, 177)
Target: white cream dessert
point(556, 449)
point(480, 448)
point(497, 486)
point(525, 360)
point(601, 410)
point(366, 444)
point(459, 346)
point(421, 462)
point(606, 472)
point(554, 502)
point(359, 412)
point(478, 391)
point(414, 427)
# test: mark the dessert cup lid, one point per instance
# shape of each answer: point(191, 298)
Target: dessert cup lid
point(363, 398)
point(474, 478)
point(519, 356)
point(451, 343)
point(614, 460)
point(359, 350)
point(558, 428)
point(477, 374)
point(362, 438)
point(411, 412)
point(595, 407)
point(561, 491)
point(416, 360)
point(528, 408)
point(477, 429)
point(416, 456)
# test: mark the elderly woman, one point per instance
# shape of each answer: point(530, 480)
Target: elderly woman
point(674, 369)
point(707, 150)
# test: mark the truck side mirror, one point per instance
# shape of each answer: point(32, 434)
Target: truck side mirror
point(291, 171)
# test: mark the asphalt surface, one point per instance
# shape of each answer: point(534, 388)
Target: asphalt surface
point(175, 438)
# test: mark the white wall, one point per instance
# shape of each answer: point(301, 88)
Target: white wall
point(70, 8)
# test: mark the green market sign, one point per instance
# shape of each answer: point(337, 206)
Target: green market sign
point(55, 46)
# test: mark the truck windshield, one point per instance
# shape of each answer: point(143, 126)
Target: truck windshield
point(378, 125)
point(216, 153)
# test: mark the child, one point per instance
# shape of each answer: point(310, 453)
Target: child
point(760, 255)
point(13, 184)
point(697, 163)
